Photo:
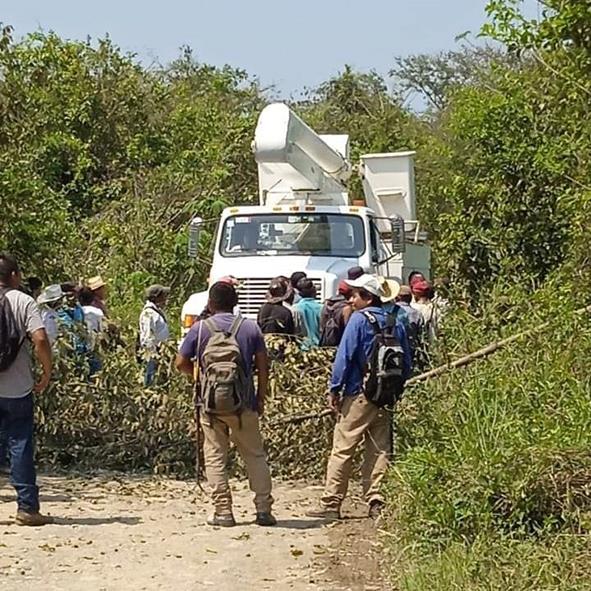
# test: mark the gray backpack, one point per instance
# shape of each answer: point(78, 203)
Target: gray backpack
point(223, 382)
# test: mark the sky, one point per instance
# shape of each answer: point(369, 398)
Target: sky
point(289, 45)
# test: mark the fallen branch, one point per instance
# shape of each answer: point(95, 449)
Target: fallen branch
point(484, 352)
point(301, 417)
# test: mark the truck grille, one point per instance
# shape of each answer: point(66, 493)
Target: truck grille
point(252, 293)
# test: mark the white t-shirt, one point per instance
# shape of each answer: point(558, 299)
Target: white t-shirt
point(153, 327)
point(429, 314)
point(18, 381)
point(93, 317)
point(50, 319)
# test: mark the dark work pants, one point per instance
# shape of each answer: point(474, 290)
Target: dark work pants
point(16, 428)
point(151, 365)
point(4, 463)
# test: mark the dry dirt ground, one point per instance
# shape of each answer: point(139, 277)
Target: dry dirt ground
point(117, 532)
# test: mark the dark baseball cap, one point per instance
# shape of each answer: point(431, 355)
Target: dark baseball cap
point(156, 291)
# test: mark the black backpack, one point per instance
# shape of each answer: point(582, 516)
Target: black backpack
point(332, 322)
point(10, 338)
point(384, 382)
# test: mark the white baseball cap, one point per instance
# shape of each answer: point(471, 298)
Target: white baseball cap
point(367, 282)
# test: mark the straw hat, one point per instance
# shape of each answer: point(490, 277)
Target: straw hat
point(52, 293)
point(390, 289)
point(95, 283)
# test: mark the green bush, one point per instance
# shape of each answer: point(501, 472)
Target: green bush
point(497, 451)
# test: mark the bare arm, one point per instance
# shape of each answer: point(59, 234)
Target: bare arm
point(43, 354)
point(261, 363)
point(183, 364)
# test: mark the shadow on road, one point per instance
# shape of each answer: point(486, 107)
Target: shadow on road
point(301, 523)
point(96, 520)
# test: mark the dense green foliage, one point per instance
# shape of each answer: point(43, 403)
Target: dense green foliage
point(103, 162)
point(492, 487)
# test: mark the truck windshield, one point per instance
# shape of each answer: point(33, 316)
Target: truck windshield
point(318, 234)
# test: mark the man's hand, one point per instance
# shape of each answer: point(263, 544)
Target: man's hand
point(42, 384)
point(184, 365)
point(261, 363)
point(334, 402)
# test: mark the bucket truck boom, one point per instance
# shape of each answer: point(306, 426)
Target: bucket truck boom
point(297, 165)
point(305, 220)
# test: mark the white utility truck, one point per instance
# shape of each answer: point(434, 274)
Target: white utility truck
point(306, 220)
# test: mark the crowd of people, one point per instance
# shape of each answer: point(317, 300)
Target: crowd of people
point(78, 312)
point(292, 308)
point(33, 319)
point(378, 326)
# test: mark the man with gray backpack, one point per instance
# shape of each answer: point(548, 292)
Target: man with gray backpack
point(372, 363)
point(21, 330)
point(227, 349)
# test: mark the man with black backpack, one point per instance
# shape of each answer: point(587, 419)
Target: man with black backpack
point(228, 349)
point(371, 365)
point(334, 316)
point(20, 321)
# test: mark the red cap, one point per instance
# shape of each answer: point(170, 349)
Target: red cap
point(229, 279)
point(416, 278)
point(421, 288)
point(343, 288)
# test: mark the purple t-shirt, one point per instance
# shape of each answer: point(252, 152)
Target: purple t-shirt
point(249, 338)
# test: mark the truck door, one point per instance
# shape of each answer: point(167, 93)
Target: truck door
point(378, 250)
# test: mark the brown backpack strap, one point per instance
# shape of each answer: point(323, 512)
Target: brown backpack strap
point(236, 324)
point(211, 325)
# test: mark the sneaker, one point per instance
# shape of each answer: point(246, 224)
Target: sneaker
point(221, 520)
point(324, 513)
point(265, 519)
point(375, 509)
point(32, 519)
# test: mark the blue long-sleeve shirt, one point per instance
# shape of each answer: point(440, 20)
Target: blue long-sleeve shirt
point(355, 348)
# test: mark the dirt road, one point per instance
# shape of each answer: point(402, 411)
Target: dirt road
point(115, 532)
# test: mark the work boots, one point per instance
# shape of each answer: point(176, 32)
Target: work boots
point(375, 509)
point(324, 513)
point(266, 519)
point(32, 519)
point(221, 520)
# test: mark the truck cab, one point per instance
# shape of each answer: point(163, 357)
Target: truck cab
point(305, 220)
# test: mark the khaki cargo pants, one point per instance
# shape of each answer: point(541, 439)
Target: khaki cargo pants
point(358, 420)
point(245, 433)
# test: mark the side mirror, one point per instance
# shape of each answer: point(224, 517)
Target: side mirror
point(398, 243)
point(194, 231)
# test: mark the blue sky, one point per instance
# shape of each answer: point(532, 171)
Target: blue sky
point(291, 45)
